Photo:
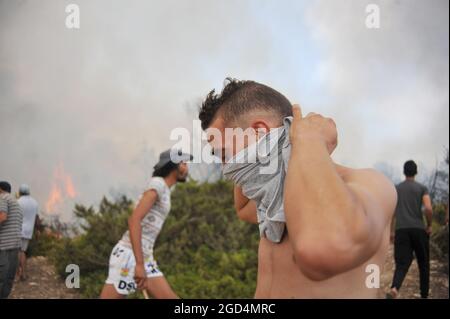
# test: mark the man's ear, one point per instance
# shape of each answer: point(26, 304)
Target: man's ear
point(260, 126)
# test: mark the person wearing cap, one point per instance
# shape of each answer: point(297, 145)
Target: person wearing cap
point(10, 235)
point(30, 208)
point(131, 264)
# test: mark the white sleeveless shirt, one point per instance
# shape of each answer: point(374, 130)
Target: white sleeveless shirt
point(153, 221)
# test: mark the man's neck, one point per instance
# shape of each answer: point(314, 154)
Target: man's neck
point(410, 179)
point(170, 180)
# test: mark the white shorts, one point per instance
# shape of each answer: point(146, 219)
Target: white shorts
point(121, 269)
point(24, 244)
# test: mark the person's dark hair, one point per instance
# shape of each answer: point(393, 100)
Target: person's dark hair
point(240, 97)
point(410, 169)
point(5, 186)
point(165, 170)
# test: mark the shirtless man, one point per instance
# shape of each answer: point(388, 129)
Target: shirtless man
point(337, 218)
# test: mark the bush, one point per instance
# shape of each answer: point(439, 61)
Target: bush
point(41, 244)
point(439, 245)
point(204, 250)
point(439, 213)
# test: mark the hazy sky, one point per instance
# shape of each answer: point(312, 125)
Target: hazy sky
point(100, 101)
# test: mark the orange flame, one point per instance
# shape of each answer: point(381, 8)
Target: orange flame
point(61, 190)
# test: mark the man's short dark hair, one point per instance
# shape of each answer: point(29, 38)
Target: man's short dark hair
point(239, 97)
point(410, 169)
point(5, 186)
point(165, 170)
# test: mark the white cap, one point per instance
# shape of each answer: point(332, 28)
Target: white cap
point(24, 189)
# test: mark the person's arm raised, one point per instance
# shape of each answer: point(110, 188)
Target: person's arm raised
point(333, 226)
point(245, 208)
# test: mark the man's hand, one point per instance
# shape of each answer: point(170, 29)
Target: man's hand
point(313, 126)
point(245, 208)
point(140, 275)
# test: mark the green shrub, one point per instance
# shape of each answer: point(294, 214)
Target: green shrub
point(204, 250)
point(439, 245)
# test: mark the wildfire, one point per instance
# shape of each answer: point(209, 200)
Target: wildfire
point(61, 190)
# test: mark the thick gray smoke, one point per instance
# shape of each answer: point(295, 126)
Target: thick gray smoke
point(97, 104)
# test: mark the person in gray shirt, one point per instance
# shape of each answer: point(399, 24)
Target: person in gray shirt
point(411, 234)
point(10, 238)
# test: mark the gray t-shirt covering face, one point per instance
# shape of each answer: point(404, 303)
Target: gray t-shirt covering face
point(261, 176)
point(11, 228)
point(408, 213)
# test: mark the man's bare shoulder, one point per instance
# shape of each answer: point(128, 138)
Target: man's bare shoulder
point(365, 176)
point(376, 184)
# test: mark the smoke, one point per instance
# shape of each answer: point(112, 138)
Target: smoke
point(387, 88)
point(103, 99)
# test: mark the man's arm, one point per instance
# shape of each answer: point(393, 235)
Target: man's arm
point(245, 208)
point(426, 200)
point(37, 226)
point(334, 226)
point(3, 210)
point(3, 217)
point(134, 225)
point(392, 230)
